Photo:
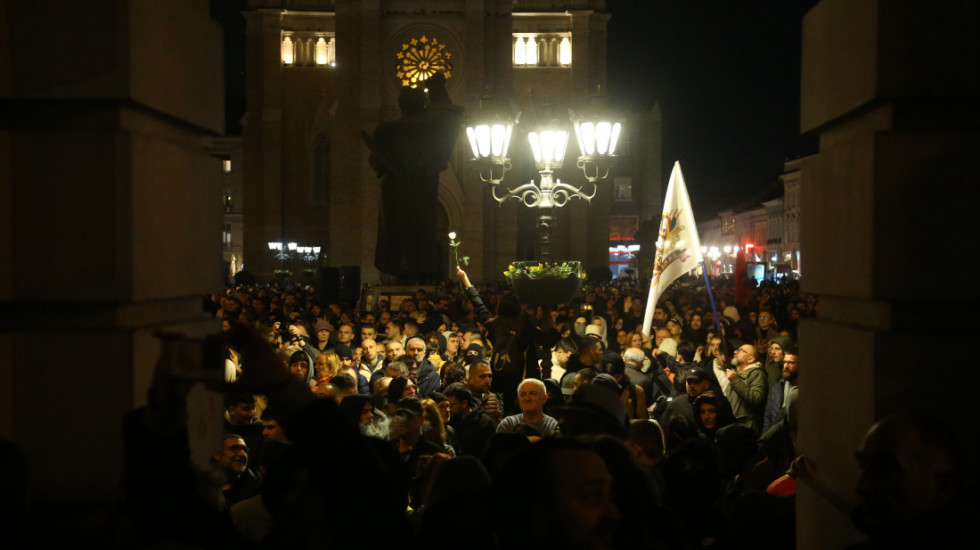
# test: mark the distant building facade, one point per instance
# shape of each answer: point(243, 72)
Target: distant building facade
point(768, 234)
point(319, 73)
point(227, 152)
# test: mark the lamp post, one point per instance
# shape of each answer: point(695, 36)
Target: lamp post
point(280, 251)
point(490, 136)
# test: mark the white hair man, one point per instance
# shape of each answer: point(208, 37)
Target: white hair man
point(531, 395)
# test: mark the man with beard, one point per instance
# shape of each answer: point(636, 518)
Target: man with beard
point(231, 462)
point(428, 377)
point(473, 427)
point(781, 392)
point(747, 388)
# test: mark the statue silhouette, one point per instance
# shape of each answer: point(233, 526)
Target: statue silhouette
point(408, 154)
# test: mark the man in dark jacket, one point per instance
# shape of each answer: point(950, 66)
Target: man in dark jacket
point(231, 462)
point(747, 388)
point(780, 392)
point(428, 376)
point(473, 426)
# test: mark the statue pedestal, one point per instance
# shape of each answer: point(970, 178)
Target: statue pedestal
point(394, 294)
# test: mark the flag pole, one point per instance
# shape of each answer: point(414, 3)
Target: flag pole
point(711, 297)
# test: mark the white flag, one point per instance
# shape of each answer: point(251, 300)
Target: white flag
point(678, 245)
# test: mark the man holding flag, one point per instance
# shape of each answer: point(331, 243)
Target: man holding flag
point(678, 245)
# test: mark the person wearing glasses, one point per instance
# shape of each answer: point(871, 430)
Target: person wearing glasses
point(747, 387)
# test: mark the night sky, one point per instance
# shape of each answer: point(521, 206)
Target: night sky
point(725, 72)
point(727, 76)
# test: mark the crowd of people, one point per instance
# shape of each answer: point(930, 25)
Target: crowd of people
point(463, 416)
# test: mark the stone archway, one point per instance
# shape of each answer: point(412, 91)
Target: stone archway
point(451, 216)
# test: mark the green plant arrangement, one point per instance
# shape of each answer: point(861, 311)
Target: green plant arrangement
point(545, 283)
point(455, 245)
point(282, 273)
point(530, 270)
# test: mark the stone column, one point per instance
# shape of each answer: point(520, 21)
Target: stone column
point(110, 216)
point(262, 142)
point(891, 89)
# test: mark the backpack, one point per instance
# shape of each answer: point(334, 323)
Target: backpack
point(507, 357)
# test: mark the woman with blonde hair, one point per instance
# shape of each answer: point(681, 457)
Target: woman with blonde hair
point(327, 366)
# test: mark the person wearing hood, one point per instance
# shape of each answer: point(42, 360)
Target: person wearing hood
point(359, 410)
point(774, 358)
point(300, 366)
point(711, 413)
point(598, 328)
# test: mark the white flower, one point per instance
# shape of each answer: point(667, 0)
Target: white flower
point(452, 235)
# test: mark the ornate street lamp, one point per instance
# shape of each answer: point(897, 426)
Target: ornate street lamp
point(597, 132)
point(548, 138)
point(489, 136)
point(279, 251)
point(309, 253)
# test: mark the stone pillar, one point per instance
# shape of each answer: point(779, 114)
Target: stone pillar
point(110, 214)
point(891, 89)
point(262, 168)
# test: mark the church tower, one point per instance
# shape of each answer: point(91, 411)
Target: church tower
point(319, 73)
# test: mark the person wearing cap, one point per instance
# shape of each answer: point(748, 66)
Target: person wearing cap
point(406, 436)
point(696, 382)
point(599, 328)
point(322, 329)
point(531, 396)
point(676, 328)
point(774, 358)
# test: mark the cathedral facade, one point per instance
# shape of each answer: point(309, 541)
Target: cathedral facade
point(322, 73)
